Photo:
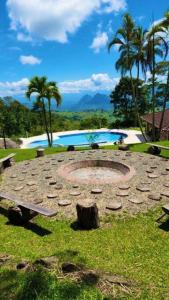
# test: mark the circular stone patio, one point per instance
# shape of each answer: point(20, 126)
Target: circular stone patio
point(59, 181)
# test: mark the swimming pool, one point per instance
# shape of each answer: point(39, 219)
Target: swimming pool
point(80, 139)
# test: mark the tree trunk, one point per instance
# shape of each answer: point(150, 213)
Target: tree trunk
point(153, 94)
point(41, 120)
point(134, 95)
point(136, 105)
point(87, 215)
point(164, 104)
point(50, 123)
point(138, 115)
point(4, 138)
point(45, 123)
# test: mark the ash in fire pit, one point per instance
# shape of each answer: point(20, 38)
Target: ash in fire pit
point(96, 171)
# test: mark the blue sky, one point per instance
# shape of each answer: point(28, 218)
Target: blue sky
point(65, 40)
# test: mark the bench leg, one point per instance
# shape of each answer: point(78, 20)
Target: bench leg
point(7, 163)
point(161, 217)
point(1, 168)
point(27, 214)
point(20, 215)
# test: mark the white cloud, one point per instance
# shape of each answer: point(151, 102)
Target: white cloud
point(23, 37)
point(110, 27)
point(13, 88)
point(112, 5)
point(29, 60)
point(163, 34)
point(54, 20)
point(140, 18)
point(156, 22)
point(97, 82)
point(161, 78)
point(100, 41)
point(14, 48)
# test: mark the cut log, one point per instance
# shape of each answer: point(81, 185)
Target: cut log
point(87, 214)
point(40, 152)
point(71, 148)
point(123, 147)
point(95, 146)
point(155, 150)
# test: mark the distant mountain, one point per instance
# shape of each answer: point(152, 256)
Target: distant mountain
point(76, 102)
point(96, 102)
point(82, 103)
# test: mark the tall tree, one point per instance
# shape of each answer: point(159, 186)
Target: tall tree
point(44, 90)
point(122, 99)
point(52, 93)
point(163, 67)
point(125, 38)
point(139, 58)
point(156, 48)
point(142, 50)
point(2, 123)
point(165, 21)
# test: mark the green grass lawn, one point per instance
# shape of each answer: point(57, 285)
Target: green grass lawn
point(24, 154)
point(136, 248)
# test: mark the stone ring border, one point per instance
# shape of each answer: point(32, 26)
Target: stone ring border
point(66, 171)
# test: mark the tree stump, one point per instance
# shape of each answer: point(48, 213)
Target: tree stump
point(95, 146)
point(123, 147)
point(154, 150)
point(71, 148)
point(40, 152)
point(87, 214)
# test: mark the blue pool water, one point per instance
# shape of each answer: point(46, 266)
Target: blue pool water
point(81, 139)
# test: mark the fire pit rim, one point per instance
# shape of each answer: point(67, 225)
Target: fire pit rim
point(66, 171)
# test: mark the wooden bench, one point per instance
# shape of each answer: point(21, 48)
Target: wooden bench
point(5, 162)
point(158, 146)
point(165, 208)
point(25, 211)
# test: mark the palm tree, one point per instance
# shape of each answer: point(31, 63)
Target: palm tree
point(123, 39)
point(156, 47)
point(139, 59)
point(126, 38)
point(141, 49)
point(165, 22)
point(52, 93)
point(139, 45)
point(163, 67)
point(44, 90)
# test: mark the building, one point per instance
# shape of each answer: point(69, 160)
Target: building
point(148, 119)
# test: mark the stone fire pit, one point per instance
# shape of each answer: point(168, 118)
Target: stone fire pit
point(96, 172)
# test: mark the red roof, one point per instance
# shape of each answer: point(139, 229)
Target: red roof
point(149, 119)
